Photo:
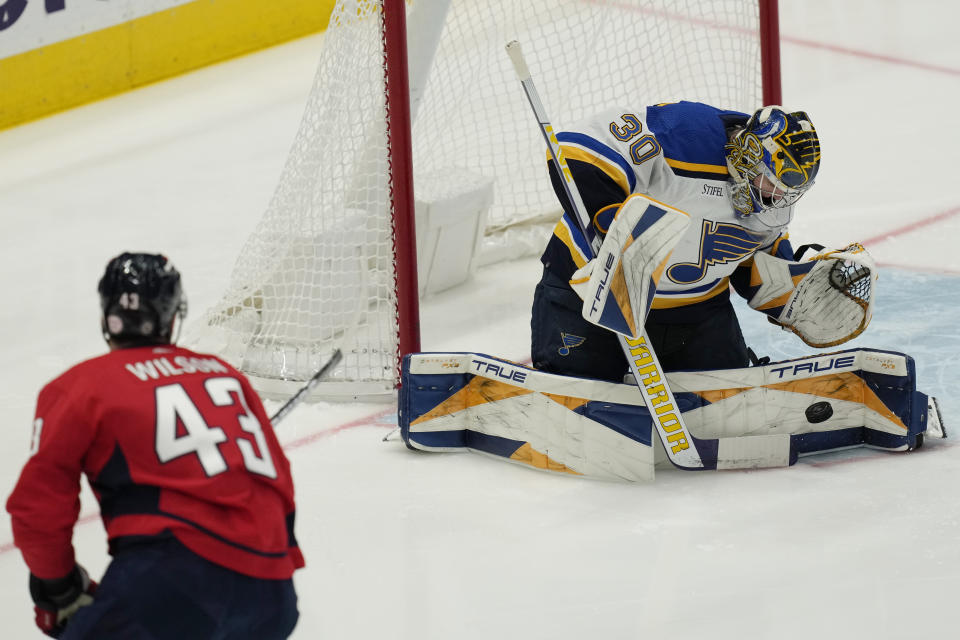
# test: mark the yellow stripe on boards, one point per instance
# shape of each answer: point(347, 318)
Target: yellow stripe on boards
point(154, 47)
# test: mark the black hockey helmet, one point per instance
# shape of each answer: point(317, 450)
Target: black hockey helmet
point(140, 296)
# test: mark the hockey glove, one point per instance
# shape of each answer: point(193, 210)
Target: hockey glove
point(56, 600)
point(825, 300)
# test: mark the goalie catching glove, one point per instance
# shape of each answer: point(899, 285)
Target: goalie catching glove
point(618, 285)
point(828, 299)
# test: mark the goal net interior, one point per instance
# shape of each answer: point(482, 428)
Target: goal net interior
point(319, 271)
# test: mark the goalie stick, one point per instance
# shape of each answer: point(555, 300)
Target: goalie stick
point(298, 397)
point(684, 449)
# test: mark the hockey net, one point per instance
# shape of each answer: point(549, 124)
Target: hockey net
point(318, 272)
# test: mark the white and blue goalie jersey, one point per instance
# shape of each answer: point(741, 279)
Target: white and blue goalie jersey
point(673, 153)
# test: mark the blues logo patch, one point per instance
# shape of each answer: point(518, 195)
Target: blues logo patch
point(720, 242)
point(569, 341)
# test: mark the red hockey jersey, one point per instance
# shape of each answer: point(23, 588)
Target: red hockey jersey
point(172, 442)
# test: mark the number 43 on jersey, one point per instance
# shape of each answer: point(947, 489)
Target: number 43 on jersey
point(201, 439)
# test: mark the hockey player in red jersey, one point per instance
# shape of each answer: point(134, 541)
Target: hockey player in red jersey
point(194, 490)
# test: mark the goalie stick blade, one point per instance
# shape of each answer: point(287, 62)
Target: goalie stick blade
point(935, 427)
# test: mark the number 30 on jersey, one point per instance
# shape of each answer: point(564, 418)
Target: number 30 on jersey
point(641, 149)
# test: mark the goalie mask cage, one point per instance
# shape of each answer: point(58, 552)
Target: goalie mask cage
point(332, 263)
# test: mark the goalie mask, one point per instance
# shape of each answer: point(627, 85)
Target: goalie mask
point(772, 162)
point(140, 295)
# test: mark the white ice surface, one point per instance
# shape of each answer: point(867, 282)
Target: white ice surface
point(417, 546)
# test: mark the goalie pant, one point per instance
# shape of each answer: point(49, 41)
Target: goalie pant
point(564, 343)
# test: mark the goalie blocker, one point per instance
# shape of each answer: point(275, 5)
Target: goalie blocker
point(748, 418)
point(618, 286)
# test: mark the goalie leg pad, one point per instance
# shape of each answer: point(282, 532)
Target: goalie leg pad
point(472, 402)
point(753, 417)
point(849, 398)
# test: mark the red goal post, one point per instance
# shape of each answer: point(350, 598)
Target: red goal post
point(416, 163)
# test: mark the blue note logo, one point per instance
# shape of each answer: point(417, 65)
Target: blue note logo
point(720, 242)
point(570, 341)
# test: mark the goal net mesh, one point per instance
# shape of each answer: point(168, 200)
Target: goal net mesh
point(317, 272)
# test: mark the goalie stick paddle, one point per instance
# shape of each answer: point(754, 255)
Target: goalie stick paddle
point(302, 393)
point(684, 450)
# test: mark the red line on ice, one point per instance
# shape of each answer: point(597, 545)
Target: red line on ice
point(371, 419)
point(919, 268)
point(870, 55)
point(802, 42)
point(913, 226)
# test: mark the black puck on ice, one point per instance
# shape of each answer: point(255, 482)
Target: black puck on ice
point(818, 412)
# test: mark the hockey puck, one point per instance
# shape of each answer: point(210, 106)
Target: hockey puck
point(818, 412)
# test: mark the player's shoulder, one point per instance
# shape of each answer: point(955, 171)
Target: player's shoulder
point(695, 116)
point(83, 379)
point(604, 123)
point(692, 132)
point(88, 369)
